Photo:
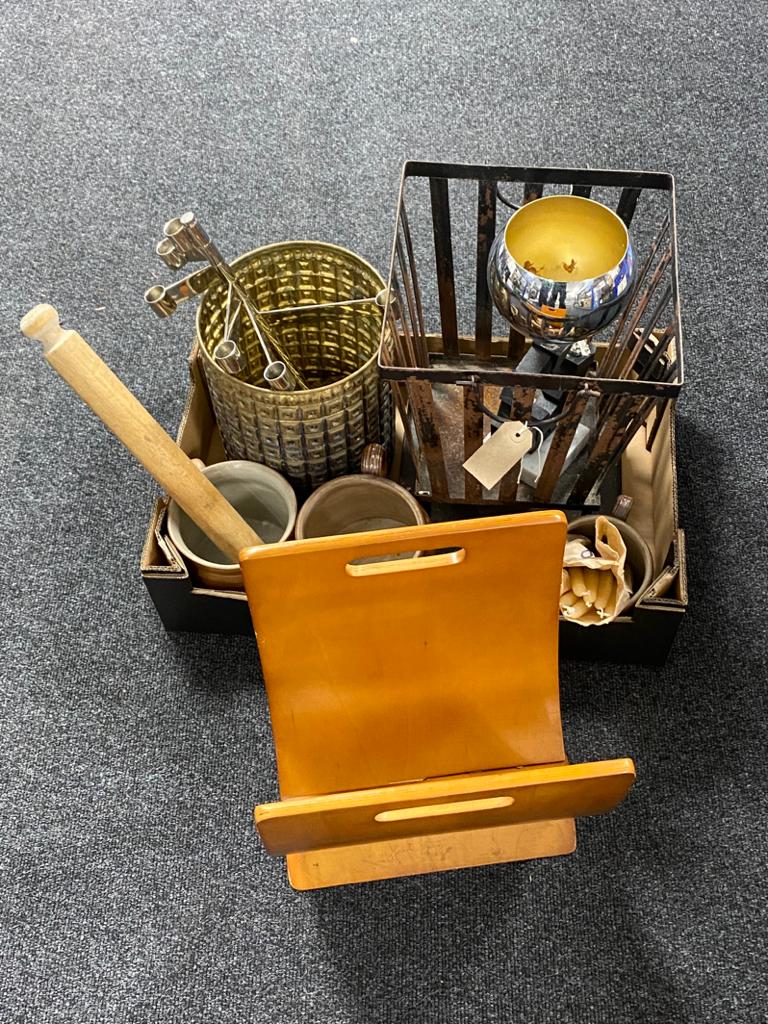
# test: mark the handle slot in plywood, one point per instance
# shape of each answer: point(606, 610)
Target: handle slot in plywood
point(390, 564)
point(490, 803)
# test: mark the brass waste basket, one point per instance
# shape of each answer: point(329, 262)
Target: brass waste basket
point(309, 436)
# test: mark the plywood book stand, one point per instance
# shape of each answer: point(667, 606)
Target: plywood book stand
point(414, 702)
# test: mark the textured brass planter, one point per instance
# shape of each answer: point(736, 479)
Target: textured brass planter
point(315, 435)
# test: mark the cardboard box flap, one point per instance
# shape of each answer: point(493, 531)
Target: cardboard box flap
point(159, 556)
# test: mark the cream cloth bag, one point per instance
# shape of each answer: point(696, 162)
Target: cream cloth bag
point(596, 582)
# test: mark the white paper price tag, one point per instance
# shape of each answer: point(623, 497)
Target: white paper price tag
point(500, 453)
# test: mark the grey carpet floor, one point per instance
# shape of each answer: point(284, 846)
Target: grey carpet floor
point(132, 885)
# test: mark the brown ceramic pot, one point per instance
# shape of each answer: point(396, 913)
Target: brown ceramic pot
point(357, 504)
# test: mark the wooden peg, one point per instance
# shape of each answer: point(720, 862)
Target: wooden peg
point(75, 361)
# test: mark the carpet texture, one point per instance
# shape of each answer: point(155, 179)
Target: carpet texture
point(132, 885)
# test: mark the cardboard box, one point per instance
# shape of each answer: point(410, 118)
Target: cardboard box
point(643, 636)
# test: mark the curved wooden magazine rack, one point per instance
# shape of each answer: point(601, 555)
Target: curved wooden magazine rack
point(415, 703)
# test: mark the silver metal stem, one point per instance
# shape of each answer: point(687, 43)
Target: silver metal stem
point(193, 240)
point(164, 300)
point(372, 300)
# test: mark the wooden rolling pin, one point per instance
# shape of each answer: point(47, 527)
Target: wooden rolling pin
point(73, 358)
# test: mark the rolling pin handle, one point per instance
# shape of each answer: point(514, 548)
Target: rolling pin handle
point(42, 324)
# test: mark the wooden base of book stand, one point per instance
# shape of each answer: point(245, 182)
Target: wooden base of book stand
point(415, 703)
point(398, 858)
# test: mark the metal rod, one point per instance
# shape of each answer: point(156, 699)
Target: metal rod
point(193, 241)
point(611, 354)
point(562, 439)
point(446, 289)
point(612, 369)
point(627, 203)
point(164, 299)
point(521, 409)
point(448, 371)
point(412, 335)
point(608, 435)
point(642, 340)
point(409, 346)
point(313, 307)
point(399, 353)
point(515, 345)
point(642, 337)
point(625, 436)
point(414, 276)
point(422, 407)
point(486, 232)
point(473, 436)
point(227, 354)
point(664, 339)
point(662, 404)
point(227, 322)
point(549, 175)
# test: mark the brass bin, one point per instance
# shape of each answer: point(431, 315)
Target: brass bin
point(314, 435)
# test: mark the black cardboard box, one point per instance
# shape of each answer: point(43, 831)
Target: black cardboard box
point(643, 636)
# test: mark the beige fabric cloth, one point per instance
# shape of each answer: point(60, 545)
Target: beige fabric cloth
point(596, 582)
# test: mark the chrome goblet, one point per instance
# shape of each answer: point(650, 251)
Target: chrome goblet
point(561, 268)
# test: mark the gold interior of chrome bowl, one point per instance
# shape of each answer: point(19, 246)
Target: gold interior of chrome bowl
point(566, 238)
point(325, 345)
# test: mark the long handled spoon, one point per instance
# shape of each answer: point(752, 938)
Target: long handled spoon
point(74, 360)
